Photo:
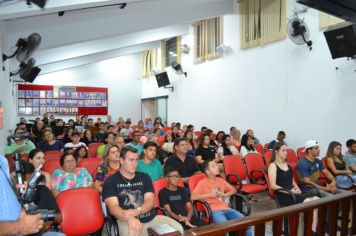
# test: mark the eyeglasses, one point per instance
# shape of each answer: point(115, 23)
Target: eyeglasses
point(174, 176)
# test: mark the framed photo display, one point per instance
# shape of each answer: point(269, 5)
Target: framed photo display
point(36, 100)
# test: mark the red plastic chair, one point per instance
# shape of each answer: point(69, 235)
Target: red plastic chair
point(197, 133)
point(266, 147)
point(92, 149)
point(158, 185)
point(235, 172)
point(90, 164)
point(200, 206)
point(301, 153)
point(166, 129)
point(255, 168)
point(81, 211)
point(267, 156)
point(259, 148)
point(51, 165)
point(160, 140)
point(53, 155)
point(292, 156)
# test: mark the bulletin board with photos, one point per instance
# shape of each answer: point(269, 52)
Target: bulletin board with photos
point(35, 100)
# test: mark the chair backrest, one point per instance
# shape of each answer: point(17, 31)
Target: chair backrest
point(166, 129)
point(160, 140)
point(259, 148)
point(292, 156)
point(301, 153)
point(197, 133)
point(294, 170)
point(81, 211)
point(253, 162)
point(266, 147)
point(51, 165)
point(158, 185)
point(234, 165)
point(90, 164)
point(93, 148)
point(271, 192)
point(53, 155)
point(194, 180)
point(267, 156)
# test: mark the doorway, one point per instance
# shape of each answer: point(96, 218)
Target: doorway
point(154, 107)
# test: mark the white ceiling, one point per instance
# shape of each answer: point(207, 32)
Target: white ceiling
point(86, 36)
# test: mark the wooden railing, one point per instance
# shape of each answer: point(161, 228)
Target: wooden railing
point(330, 207)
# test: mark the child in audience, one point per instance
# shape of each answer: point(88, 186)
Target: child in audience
point(214, 190)
point(176, 201)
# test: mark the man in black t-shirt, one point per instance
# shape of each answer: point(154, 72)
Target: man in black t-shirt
point(176, 201)
point(129, 196)
point(186, 164)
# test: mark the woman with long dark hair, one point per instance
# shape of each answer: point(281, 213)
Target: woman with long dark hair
point(227, 147)
point(280, 176)
point(344, 176)
point(192, 145)
point(247, 145)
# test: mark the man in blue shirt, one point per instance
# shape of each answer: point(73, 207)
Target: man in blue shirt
point(13, 220)
point(350, 155)
point(136, 142)
point(309, 169)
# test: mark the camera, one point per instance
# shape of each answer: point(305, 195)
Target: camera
point(46, 215)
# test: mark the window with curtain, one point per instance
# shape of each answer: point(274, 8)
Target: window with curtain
point(149, 62)
point(208, 34)
point(170, 52)
point(261, 22)
point(326, 20)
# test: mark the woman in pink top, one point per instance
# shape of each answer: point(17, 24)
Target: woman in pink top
point(214, 190)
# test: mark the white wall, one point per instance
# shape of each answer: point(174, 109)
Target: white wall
point(280, 86)
point(6, 95)
point(120, 75)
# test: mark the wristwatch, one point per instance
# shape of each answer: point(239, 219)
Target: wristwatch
point(139, 210)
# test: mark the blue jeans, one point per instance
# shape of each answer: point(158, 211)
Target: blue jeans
point(225, 215)
point(345, 182)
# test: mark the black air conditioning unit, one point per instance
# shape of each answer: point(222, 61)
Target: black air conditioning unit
point(344, 9)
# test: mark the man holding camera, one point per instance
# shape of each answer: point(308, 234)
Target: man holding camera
point(13, 219)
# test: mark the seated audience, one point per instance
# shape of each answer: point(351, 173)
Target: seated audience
point(192, 145)
point(158, 120)
point(205, 151)
point(49, 143)
point(81, 152)
point(140, 127)
point(70, 176)
point(280, 139)
point(176, 202)
point(350, 155)
point(75, 141)
point(68, 135)
point(185, 164)
point(88, 137)
point(109, 166)
point(210, 133)
point(129, 196)
point(247, 143)
point(336, 164)
point(161, 154)
point(280, 176)
point(108, 141)
point(168, 144)
point(119, 141)
point(37, 158)
point(21, 143)
point(227, 147)
point(214, 190)
point(309, 169)
point(235, 137)
point(101, 134)
point(219, 137)
point(37, 131)
point(126, 130)
point(175, 132)
point(136, 142)
point(250, 133)
point(148, 123)
point(148, 164)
